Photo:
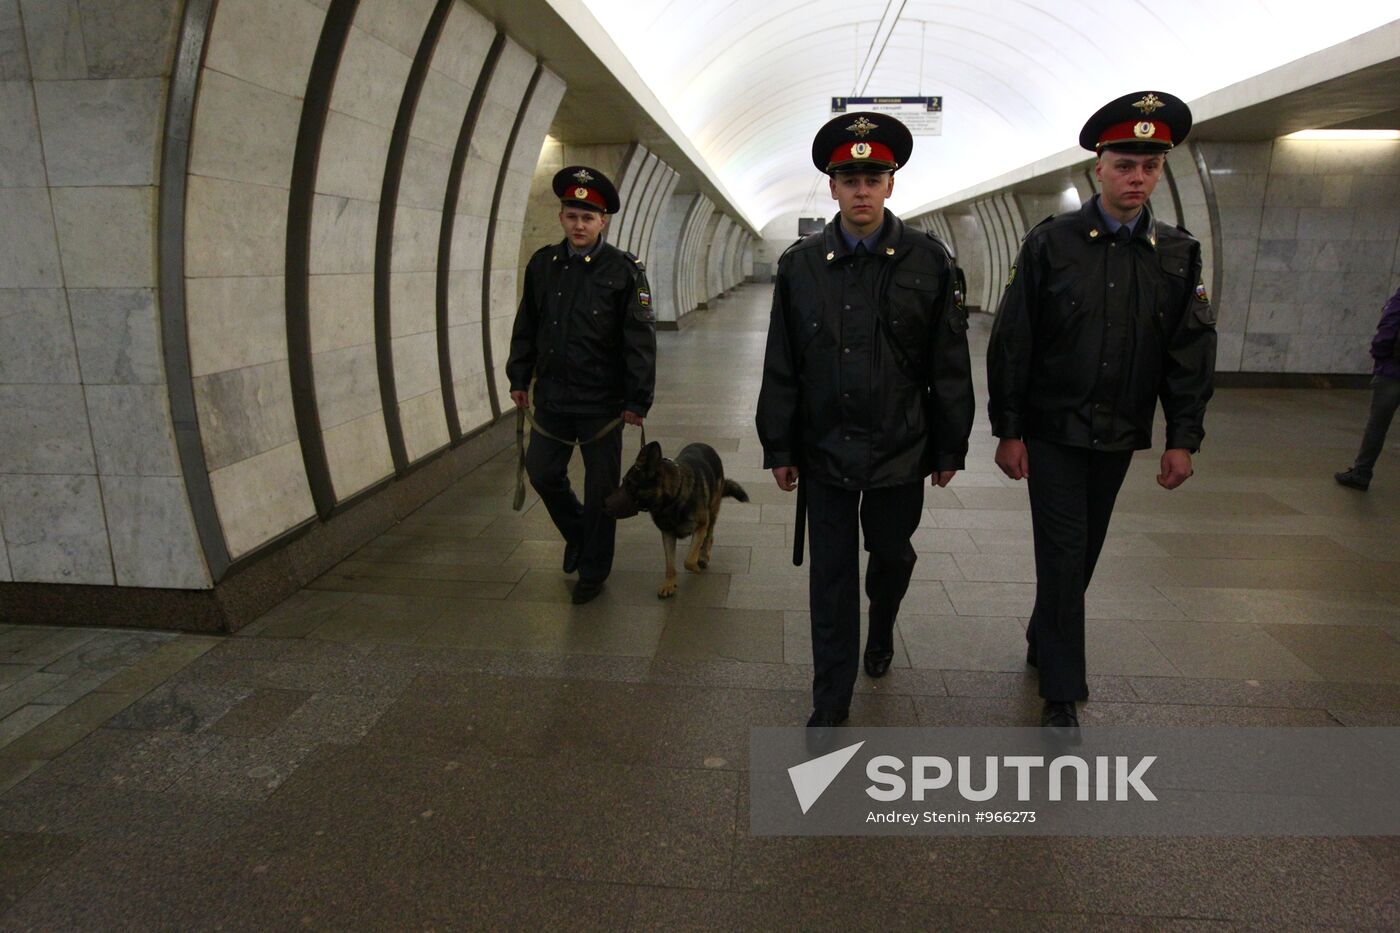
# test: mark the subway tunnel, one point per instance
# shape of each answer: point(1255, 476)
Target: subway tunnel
point(275, 648)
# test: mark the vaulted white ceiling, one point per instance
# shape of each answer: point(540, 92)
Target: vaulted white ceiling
point(750, 81)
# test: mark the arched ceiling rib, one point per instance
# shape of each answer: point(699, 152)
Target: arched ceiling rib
point(749, 82)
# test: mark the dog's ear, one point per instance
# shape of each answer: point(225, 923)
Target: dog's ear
point(650, 457)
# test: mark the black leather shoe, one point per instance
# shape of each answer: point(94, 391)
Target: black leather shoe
point(1061, 721)
point(878, 665)
point(1352, 480)
point(571, 555)
point(821, 729)
point(586, 591)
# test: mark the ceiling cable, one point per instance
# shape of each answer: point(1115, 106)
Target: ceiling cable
point(881, 39)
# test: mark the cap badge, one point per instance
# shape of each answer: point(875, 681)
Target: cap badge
point(1149, 103)
point(1145, 129)
point(583, 175)
point(862, 127)
point(580, 192)
point(860, 151)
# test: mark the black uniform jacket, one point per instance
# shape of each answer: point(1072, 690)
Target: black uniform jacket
point(586, 328)
point(1092, 331)
point(866, 379)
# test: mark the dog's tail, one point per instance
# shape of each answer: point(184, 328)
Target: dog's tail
point(734, 491)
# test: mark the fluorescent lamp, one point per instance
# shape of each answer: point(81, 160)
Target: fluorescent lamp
point(1344, 134)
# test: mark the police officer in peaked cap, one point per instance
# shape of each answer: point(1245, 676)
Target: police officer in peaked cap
point(867, 390)
point(1104, 315)
point(585, 335)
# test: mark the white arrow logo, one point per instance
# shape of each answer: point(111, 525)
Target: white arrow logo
point(811, 778)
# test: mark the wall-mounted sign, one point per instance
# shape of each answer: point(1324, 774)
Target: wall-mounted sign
point(923, 115)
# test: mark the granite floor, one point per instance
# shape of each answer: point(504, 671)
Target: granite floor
point(432, 737)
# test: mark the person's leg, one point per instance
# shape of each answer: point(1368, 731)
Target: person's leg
point(547, 465)
point(1385, 399)
point(1058, 483)
point(889, 517)
point(834, 590)
point(1106, 473)
point(602, 464)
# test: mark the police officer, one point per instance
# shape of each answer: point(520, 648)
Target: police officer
point(585, 332)
point(1103, 315)
point(867, 389)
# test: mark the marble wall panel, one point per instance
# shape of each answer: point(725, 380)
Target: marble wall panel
point(28, 240)
point(131, 430)
point(358, 453)
point(55, 529)
point(341, 311)
point(342, 236)
point(397, 23)
point(46, 430)
point(122, 39)
point(243, 132)
point(235, 322)
point(54, 35)
point(262, 497)
point(244, 412)
point(466, 37)
point(101, 132)
point(14, 55)
point(153, 538)
point(347, 384)
point(21, 155)
point(352, 158)
point(424, 424)
point(413, 296)
point(233, 228)
point(269, 43)
point(36, 339)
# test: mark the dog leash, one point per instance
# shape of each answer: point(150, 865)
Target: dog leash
point(523, 415)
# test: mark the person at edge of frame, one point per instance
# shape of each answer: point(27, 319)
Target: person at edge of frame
point(1103, 314)
point(867, 389)
point(586, 333)
point(1385, 397)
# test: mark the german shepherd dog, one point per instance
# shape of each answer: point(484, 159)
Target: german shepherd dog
point(683, 497)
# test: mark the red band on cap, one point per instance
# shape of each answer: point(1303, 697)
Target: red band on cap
point(862, 152)
point(1136, 131)
point(588, 195)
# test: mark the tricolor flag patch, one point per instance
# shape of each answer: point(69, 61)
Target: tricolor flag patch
point(1201, 295)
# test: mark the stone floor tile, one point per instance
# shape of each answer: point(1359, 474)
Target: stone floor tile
point(29, 857)
point(1226, 649)
point(1343, 652)
point(260, 712)
point(722, 634)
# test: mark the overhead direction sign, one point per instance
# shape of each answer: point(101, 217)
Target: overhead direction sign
point(923, 115)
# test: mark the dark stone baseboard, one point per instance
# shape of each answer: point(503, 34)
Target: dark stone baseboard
point(259, 581)
point(1292, 381)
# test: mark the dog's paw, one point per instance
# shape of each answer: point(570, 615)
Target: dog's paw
point(667, 590)
point(694, 566)
point(702, 564)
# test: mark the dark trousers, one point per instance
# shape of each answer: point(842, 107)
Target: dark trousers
point(1072, 493)
point(547, 464)
point(1385, 399)
point(888, 516)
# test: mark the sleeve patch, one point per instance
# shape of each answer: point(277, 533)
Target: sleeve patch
point(1201, 295)
point(644, 311)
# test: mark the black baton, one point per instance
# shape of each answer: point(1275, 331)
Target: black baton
point(799, 531)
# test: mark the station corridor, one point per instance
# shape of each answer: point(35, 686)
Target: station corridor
point(430, 736)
